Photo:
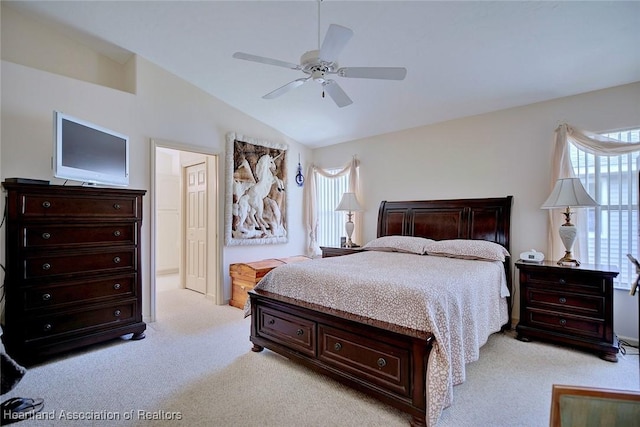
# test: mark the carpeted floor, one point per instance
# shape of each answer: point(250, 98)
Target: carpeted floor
point(195, 368)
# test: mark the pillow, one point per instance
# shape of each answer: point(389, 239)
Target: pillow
point(408, 244)
point(468, 249)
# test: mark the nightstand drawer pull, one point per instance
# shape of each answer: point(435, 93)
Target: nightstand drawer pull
point(337, 346)
point(563, 322)
point(46, 236)
point(46, 266)
point(562, 282)
point(562, 300)
point(47, 327)
point(46, 297)
point(382, 363)
point(299, 332)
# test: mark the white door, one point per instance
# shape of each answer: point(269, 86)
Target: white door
point(196, 224)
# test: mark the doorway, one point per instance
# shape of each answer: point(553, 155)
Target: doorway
point(184, 215)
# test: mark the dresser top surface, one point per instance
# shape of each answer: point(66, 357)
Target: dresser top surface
point(550, 265)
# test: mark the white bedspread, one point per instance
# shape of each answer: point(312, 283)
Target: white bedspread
point(459, 301)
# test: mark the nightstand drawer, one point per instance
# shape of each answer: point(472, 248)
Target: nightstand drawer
point(588, 305)
point(568, 280)
point(560, 322)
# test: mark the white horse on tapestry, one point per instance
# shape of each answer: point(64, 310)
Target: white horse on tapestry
point(255, 209)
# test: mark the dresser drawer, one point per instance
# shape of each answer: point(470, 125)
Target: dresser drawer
point(54, 295)
point(80, 320)
point(69, 263)
point(589, 305)
point(376, 362)
point(295, 332)
point(78, 235)
point(570, 280)
point(43, 206)
point(568, 324)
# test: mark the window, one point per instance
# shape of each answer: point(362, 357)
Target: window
point(330, 222)
point(613, 226)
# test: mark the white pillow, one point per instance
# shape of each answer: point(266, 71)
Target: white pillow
point(409, 244)
point(468, 249)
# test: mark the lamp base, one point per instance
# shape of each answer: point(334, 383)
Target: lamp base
point(568, 259)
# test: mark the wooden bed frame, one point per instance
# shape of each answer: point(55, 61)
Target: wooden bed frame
point(384, 360)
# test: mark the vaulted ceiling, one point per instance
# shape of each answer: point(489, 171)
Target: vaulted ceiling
point(462, 58)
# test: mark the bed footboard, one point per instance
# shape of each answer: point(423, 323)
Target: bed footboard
point(386, 361)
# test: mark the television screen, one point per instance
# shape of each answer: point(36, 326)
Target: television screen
point(89, 153)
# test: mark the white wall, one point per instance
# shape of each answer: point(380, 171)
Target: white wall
point(491, 155)
point(163, 107)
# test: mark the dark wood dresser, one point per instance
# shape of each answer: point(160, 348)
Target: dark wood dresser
point(568, 305)
point(73, 268)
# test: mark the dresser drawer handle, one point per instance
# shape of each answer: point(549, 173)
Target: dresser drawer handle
point(117, 233)
point(116, 313)
point(382, 363)
point(116, 286)
point(116, 206)
point(46, 297)
point(337, 346)
point(117, 260)
point(46, 266)
point(562, 300)
point(562, 282)
point(46, 204)
point(47, 327)
point(563, 322)
point(46, 236)
point(299, 332)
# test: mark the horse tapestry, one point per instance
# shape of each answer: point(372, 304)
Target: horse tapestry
point(256, 197)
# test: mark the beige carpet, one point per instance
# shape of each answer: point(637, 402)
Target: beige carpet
point(195, 368)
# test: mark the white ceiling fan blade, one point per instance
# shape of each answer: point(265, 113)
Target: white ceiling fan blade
point(263, 60)
point(336, 93)
point(286, 88)
point(384, 73)
point(334, 41)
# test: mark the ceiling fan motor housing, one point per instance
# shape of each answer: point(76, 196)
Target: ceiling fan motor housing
point(312, 64)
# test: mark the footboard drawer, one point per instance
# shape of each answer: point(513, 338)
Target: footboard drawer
point(295, 332)
point(371, 360)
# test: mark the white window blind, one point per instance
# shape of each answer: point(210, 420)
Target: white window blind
point(613, 226)
point(330, 222)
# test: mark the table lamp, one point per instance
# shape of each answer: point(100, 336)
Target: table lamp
point(568, 193)
point(349, 203)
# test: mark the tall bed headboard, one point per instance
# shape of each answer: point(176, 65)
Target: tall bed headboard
point(484, 219)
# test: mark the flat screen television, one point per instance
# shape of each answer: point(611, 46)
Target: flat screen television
point(89, 153)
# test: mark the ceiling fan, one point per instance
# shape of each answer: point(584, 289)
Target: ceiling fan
point(320, 64)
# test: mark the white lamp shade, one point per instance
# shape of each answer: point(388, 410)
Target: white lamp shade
point(349, 203)
point(568, 192)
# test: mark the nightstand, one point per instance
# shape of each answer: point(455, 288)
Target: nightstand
point(568, 305)
point(329, 251)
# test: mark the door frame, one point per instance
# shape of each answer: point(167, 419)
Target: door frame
point(215, 277)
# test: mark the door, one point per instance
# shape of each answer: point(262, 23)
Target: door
point(196, 227)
